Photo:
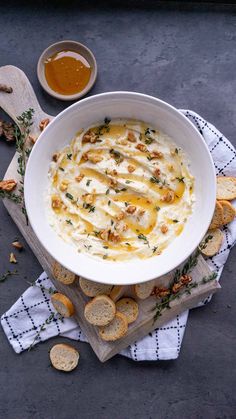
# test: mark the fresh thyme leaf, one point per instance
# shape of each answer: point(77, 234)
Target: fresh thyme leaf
point(105, 247)
point(69, 222)
point(107, 191)
point(175, 221)
point(96, 233)
point(90, 207)
point(154, 249)
point(180, 179)
point(109, 202)
point(176, 151)
point(157, 208)
point(126, 204)
point(203, 244)
point(128, 244)
point(42, 328)
point(123, 189)
point(128, 181)
point(116, 155)
point(61, 168)
point(105, 256)
point(154, 179)
point(69, 196)
point(107, 121)
point(87, 246)
point(112, 222)
point(88, 182)
point(69, 156)
point(12, 196)
point(144, 238)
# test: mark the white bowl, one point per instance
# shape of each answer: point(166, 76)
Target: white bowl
point(130, 106)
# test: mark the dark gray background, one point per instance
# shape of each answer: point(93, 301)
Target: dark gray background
point(185, 56)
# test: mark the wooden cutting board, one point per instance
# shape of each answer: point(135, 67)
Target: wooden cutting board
point(21, 99)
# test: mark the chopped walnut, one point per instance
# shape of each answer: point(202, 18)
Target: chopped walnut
point(12, 258)
point(43, 123)
point(131, 168)
point(94, 158)
point(131, 137)
point(164, 228)
point(157, 172)
point(121, 141)
point(104, 234)
point(85, 156)
point(114, 237)
point(141, 147)
point(112, 172)
point(185, 279)
point(33, 138)
point(7, 185)
point(79, 177)
point(176, 287)
point(160, 292)
point(89, 137)
point(141, 212)
point(64, 185)
point(124, 227)
point(56, 202)
point(88, 198)
point(120, 216)
point(168, 197)
point(18, 245)
point(113, 183)
point(131, 209)
point(55, 157)
point(156, 154)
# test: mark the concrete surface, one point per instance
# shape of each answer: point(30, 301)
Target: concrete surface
point(188, 59)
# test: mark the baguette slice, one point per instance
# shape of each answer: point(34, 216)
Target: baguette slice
point(100, 310)
point(64, 357)
point(62, 304)
point(226, 188)
point(92, 289)
point(129, 308)
point(228, 211)
point(62, 274)
point(116, 329)
point(117, 292)
point(217, 219)
point(144, 290)
point(211, 243)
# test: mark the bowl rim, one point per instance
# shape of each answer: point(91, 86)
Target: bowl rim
point(172, 265)
point(43, 82)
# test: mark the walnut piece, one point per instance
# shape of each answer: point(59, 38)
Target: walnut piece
point(131, 209)
point(176, 287)
point(113, 183)
point(156, 154)
point(33, 138)
point(120, 216)
point(56, 202)
point(164, 228)
point(90, 137)
point(79, 177)
point(131, 137)
point(7, 185)
point(168, 197)
point(18, 245)
point(160, 292)
point(131, 168)
point(94, 158)
point(12, 258)
point(43, 123)
point(141, 147)
point(88, 198)
point(64, 185)
point(157, 172)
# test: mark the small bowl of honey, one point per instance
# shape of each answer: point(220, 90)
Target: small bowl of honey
point(67, 70)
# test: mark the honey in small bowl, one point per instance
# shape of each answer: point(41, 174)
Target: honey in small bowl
point(67, 72)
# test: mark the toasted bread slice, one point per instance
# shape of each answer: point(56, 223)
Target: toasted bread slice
point(62, 274)
point(62, 304)
point(129, 308)
point(117, 292)
point(228, 211)
point(100, 310)
point(92, 289)
point(64, 357)
point(211, 243)
point(217, 219)
point(144, 290)
point(226, 188)
point(116, 329)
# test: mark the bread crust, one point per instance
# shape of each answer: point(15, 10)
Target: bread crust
point(217, 219)
point(144, 290)
point(65, 301)
point(105, 308)
point(228, 211)
point(92, 289)
point(62, 274)
point(59, 355)
point(129, 308)
point(226, 188)
point(105, 332)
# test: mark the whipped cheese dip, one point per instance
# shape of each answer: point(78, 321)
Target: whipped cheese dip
point(120, 191)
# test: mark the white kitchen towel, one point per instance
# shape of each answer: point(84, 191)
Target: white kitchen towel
point(32, 318)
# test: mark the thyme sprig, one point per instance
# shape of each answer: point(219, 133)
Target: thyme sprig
point(43, 327)
point(12, 196)
point(186, 289)
point(22, 132)
point(4, 276)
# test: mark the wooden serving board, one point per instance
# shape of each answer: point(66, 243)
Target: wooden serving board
point(21, 99)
